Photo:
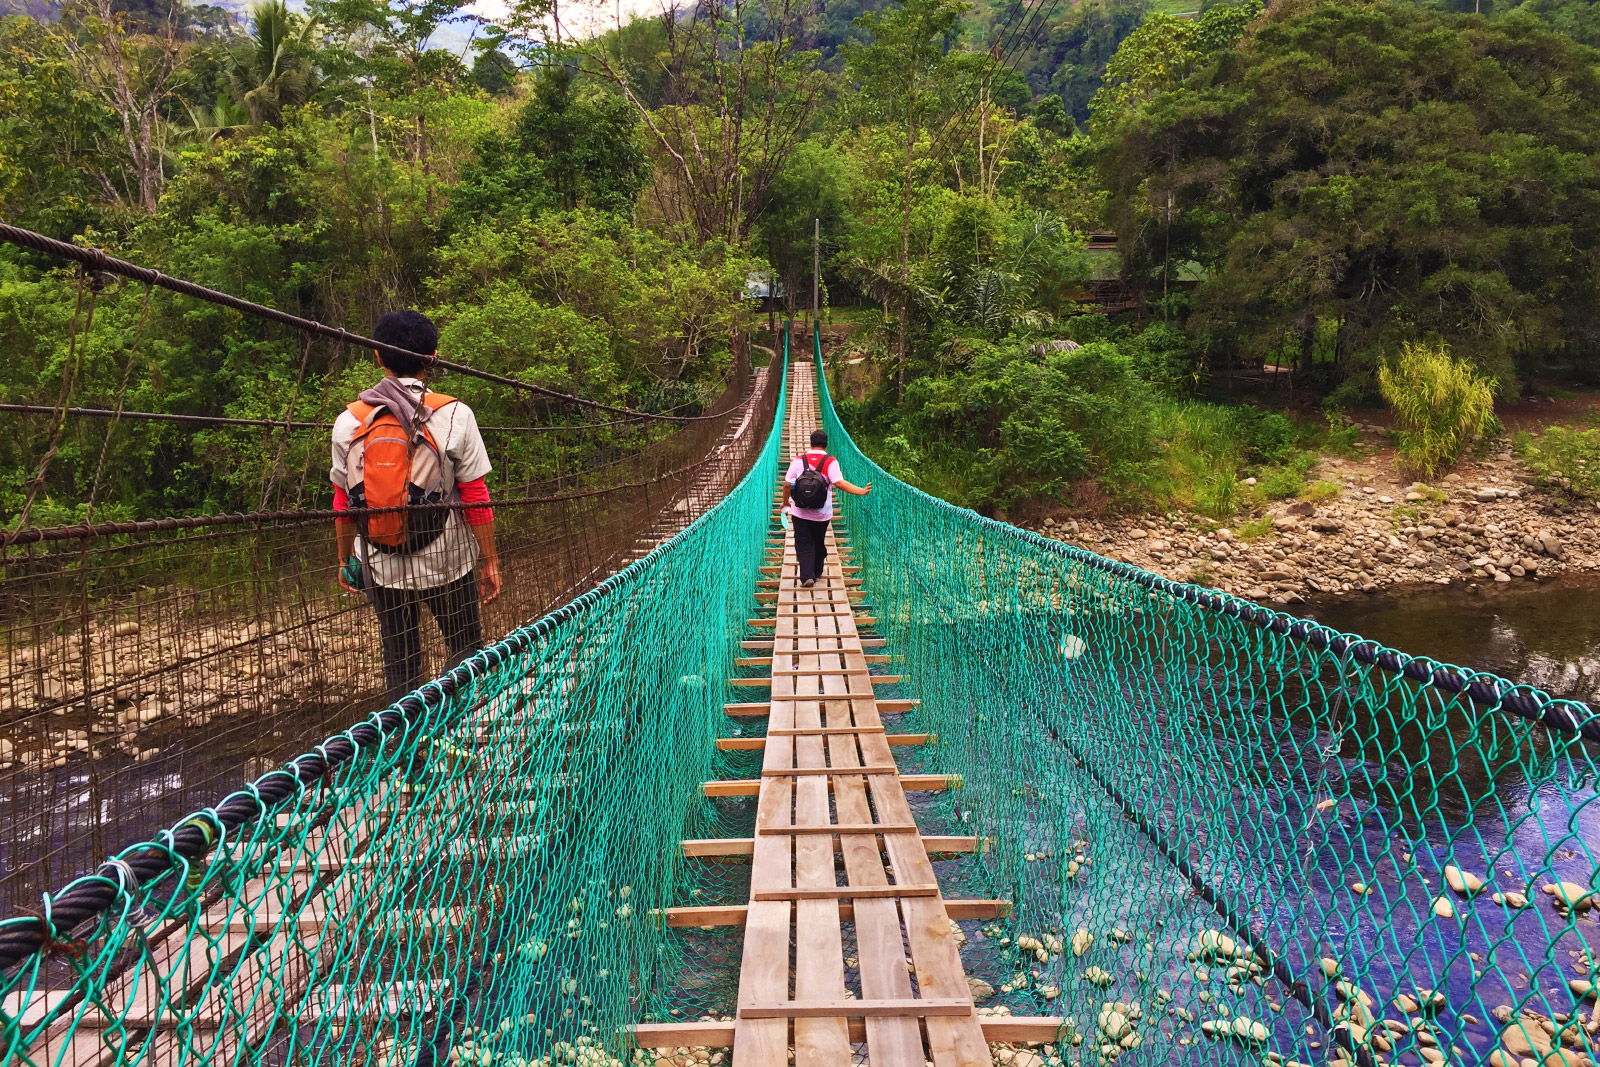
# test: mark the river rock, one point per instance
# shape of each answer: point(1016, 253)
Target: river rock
point(1247, 1029)
point(1081, 940)
point(1464, 882)
point(1569, 895)
point(981, 990)
point(1114, 1024)
point(1583, 990)
point(1443, 908)
point(1511, 900)
point(126, 629)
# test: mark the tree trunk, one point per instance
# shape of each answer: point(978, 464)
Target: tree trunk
point(905, 258)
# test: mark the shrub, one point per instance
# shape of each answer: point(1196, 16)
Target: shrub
point(1567, 457)
point(1440, 404)
point(1281, 483)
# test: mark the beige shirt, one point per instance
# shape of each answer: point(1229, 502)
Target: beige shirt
point(463, 459)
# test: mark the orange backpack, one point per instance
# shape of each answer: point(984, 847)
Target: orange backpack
point(389, 471)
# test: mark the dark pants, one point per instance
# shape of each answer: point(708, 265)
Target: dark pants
point(455, 609)
point(810, 547)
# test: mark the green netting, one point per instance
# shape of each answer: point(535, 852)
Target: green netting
point(475, 878)
point(1229, 834)
point(1203, 812)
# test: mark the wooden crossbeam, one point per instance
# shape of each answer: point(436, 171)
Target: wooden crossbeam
point(859, 1009)
point(721, 847)
point(839, 892)
point(801, 772)
point(756, 744)
point(840, 828)
point(911, 783)
point(734, 914)
point(1008, 1029)
point(762, 683)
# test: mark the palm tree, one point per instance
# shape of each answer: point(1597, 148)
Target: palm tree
point(271, 69)
point(221, 119)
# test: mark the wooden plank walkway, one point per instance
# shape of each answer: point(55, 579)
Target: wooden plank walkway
point(831, 799)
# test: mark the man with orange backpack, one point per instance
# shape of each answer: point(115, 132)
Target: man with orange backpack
point(402, 456)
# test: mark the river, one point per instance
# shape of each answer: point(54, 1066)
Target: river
point(1545, 634)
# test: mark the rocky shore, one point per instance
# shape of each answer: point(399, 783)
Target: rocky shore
point(1485, 522)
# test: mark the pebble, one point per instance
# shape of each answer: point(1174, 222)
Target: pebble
point(1443, 908)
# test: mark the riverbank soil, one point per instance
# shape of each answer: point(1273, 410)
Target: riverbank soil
point(1486, 521)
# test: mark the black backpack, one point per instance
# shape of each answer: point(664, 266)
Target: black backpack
point(811, 488)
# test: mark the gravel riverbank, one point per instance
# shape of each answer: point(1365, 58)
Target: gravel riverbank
point(1484, 522)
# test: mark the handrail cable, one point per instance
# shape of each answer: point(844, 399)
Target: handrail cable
point(98, 259)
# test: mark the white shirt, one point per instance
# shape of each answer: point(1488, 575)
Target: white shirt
point(796, 466)
point(462, 459)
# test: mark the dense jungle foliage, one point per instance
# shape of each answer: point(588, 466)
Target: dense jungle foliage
point(1319, 188)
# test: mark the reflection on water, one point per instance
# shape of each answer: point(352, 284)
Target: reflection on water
point(1545, 634)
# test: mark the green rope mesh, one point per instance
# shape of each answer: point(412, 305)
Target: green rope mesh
point(481, 884)
point(1227, 836)
point(1225, 841)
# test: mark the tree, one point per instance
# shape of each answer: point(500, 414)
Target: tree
point(1352, 176)
point(573, 145)
point(272, 69)
point(132, 74)
point(733, 107)
point(899, 67)
point(494, 72)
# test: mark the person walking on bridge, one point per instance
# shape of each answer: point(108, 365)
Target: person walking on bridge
point(808, 498)
point(409, 454)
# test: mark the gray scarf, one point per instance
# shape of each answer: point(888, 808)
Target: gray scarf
point(400, 401)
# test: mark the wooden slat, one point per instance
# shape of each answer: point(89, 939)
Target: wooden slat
point(819, 1041)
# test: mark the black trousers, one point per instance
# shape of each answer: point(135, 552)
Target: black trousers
point(454, 607)
point(810, 547)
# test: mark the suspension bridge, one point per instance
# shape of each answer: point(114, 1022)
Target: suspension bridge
point(975, 797)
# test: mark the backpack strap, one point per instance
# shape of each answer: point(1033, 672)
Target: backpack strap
point(435, 401)
point(822, 467)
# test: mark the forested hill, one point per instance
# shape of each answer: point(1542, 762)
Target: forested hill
point(1316, 206)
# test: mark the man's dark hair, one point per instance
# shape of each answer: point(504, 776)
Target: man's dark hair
point(819, 438)
point(412, 331)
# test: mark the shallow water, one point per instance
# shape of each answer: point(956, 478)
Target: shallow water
point(1545, 634)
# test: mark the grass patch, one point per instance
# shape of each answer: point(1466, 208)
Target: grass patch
point(1256, 528)
point(1319, 491)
